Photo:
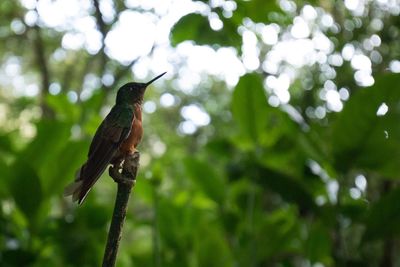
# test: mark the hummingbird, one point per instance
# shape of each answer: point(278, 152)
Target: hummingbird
point(117, 137)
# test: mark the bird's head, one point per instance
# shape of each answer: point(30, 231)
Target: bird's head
point(133, 92)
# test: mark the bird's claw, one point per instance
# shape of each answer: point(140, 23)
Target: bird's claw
point(119, 178)
point(126, 173)
point(114, 172)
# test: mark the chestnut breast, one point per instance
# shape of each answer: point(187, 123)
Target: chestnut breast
point(129, 145)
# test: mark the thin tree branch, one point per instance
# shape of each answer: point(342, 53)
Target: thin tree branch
point(99, 17)
point(71, 70)
point(44, 71)
point(122, 72)
point(125, 179)
point(102, 27)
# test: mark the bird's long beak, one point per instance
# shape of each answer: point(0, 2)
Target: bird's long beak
point(159, 76)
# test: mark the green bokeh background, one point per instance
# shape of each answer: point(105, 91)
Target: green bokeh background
point(254, 187)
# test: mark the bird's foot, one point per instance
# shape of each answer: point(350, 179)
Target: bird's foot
point(126, 173)
point(116, 175)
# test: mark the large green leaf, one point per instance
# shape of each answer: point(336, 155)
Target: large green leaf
point(52, 156)
point(65, 165)
point(206, 178)
point(26, 189)
point(51, 137)
point(197, 28)
point(211, 241)
point(250, 107)
point(64, 108)
point(361, 139)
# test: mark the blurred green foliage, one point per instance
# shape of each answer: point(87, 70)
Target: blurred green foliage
point(263, 184)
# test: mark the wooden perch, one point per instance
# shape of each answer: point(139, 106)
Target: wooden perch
point(125, 179)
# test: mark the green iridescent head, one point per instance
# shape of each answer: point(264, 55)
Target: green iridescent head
point(133, 92)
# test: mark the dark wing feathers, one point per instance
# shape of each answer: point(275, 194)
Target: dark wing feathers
point(94, 167)
point(97, 138)
point(111, 133)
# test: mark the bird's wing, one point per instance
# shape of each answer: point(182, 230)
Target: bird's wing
point(112, 132)
point(97, 137)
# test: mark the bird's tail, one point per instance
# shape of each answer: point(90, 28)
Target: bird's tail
point(74, 189)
